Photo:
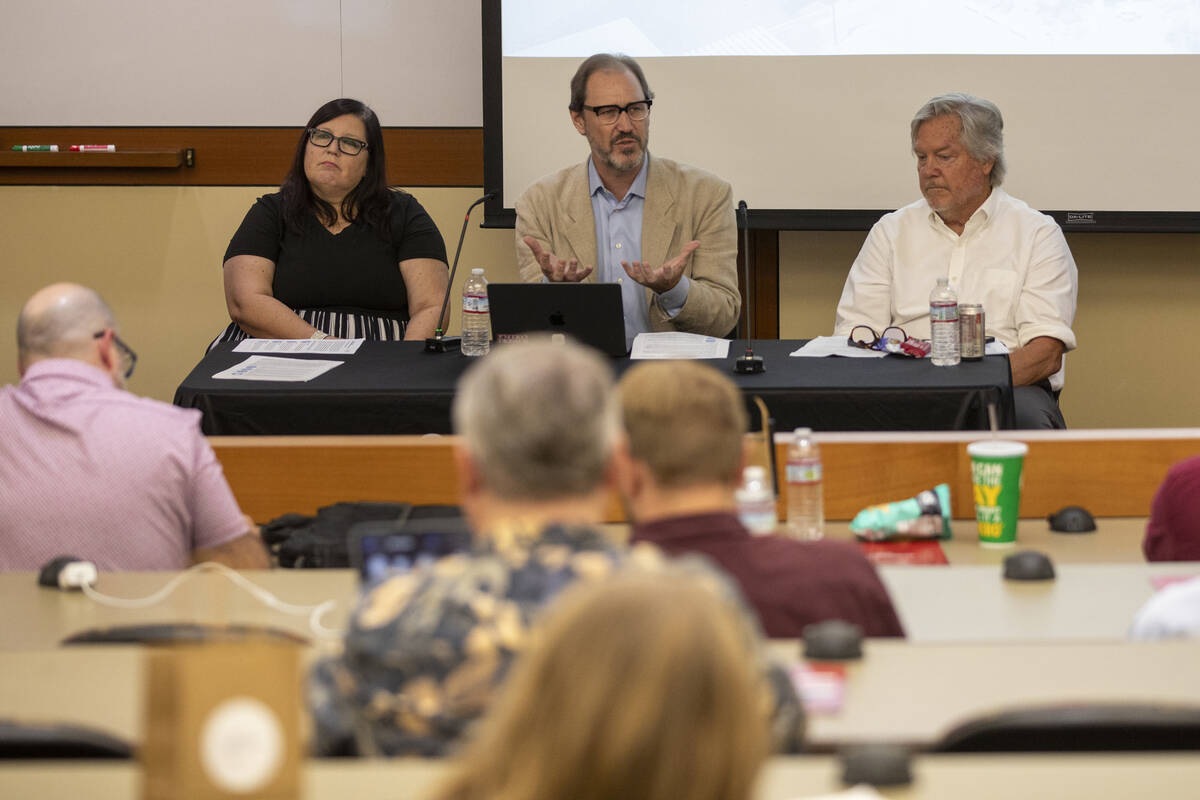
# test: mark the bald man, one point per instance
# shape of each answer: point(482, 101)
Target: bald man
point(89, 470)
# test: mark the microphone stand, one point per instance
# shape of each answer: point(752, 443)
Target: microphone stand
point(439, 343)
point(748, 364)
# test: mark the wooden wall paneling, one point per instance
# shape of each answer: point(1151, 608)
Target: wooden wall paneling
point(1110, 477)
point(235, 156)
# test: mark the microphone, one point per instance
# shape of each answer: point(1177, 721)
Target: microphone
point(439, 343)
point(749, 364)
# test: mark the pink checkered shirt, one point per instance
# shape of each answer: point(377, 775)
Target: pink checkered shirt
point(93, 471)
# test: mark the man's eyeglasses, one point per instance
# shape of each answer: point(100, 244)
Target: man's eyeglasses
point(864, 336)
point(124, 352)
point(348, 145)
point(610, 114)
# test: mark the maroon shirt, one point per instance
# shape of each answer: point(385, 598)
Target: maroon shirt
point(1173, 530)
point(791, 584)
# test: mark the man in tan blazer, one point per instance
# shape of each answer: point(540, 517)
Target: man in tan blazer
point(664, 231)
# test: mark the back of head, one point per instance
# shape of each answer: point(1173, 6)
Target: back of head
point(60, 321)
point(685, 421)
point(644, 687)
point(980, 123)
point(539, 419)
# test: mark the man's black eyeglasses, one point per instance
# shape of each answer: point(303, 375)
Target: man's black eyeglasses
point(864, 336)
point(348, 145)
point(609, 114)
point(124, 351)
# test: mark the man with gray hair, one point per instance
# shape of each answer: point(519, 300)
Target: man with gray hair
point(89, 470)
point(540, 446)
point(995, 250)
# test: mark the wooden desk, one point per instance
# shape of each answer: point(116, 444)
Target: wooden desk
point(911, 693)
point(1169, 776)
point(1112, 473)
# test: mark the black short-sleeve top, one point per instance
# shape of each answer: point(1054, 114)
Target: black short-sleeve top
point(356, 269)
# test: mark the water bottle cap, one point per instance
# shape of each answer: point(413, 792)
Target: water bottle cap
point(754, 473)
point(940, 281)
point(802, 432)
point(477, 271)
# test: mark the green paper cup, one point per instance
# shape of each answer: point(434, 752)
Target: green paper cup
point(996, 485)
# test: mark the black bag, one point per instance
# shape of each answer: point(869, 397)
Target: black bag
point(300, 541)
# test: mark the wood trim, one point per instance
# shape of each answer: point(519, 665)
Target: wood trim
point(229, 156)
point(1110, 477)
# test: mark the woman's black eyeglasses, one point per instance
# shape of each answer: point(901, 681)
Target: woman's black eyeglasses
point(124, 351)
point(864, 336)
point(348, 145)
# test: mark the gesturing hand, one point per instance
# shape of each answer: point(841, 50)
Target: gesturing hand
point(555, 268)
point(661, 279)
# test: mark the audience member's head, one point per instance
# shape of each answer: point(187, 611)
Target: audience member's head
point(540, 428)
point(65, 320)
point(685, 422)
point(645, 686)
point(1173, 530)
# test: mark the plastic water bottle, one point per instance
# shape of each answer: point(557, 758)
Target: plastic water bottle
point(756, 501)
point(943, 325)
point(476, 316)
point(805, 488)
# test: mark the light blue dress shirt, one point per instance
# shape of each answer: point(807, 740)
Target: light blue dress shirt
point(619, 238)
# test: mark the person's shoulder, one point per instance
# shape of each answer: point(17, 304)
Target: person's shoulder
point(829, 554)
point(915, 211)
point(685, 175)
point(162, 416)
point(1017, 208)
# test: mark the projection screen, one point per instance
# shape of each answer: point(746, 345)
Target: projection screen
point(804, 106)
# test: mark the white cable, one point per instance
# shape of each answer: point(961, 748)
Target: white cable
point(314, 612)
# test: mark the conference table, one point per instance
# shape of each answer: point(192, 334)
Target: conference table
point(397, 388)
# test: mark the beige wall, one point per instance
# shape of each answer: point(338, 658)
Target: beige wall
point(1139, 299)
point(155, 255)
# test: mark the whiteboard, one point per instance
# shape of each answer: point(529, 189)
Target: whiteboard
point(238, 62)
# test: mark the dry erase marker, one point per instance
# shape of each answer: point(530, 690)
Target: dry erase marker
point(36, 148)
point(93, 148)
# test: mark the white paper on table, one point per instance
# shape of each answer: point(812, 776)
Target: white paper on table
point(834, 346)
point(860, 792)
point(270, 368)
point(995, 348)
point(672, 344)
point(330, 347)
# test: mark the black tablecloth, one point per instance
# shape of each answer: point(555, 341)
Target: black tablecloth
point(395, 387)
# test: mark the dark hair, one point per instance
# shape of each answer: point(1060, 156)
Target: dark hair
point(604, 62)
point(367, 202)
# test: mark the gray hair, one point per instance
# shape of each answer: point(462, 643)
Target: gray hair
point(60, 320)
point(604, 62)
point(981, 125)
point(539, 418)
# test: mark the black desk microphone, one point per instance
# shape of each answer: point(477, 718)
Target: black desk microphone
point(439, 343)
point(748, 364)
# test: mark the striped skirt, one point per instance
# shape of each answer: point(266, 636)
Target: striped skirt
point(342, 323)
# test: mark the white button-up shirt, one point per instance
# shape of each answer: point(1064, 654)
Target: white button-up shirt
point(1012, 259)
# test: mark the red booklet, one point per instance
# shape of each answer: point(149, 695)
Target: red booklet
point(919, 551)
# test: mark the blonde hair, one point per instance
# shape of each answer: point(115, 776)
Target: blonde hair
point(643, 687)
point(685, 421)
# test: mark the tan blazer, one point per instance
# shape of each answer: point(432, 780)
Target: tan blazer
point(682, 203)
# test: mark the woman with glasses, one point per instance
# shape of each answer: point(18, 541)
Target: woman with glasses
point(335, 252)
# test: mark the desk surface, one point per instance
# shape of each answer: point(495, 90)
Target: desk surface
point(910, 693)
point(396, 388)
point(966, 601)
point(942, 777)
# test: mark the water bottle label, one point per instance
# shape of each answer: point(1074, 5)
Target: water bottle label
point(943, 312)
point(804, 472)
point(475, 304)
